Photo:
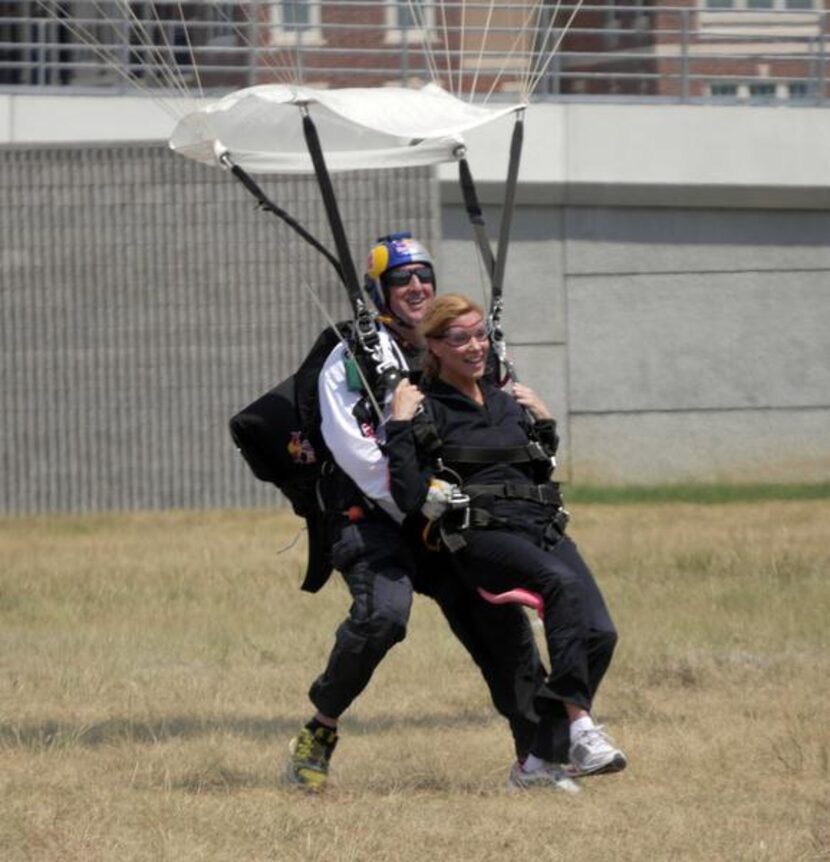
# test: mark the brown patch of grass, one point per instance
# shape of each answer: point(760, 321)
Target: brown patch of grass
point(154, 666)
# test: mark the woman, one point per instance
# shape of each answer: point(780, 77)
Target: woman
point(497, 448)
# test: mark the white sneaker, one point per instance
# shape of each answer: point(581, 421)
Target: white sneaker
point(550, 775)
point(593, 753)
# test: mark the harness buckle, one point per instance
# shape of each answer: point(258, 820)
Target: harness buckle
point(460, 501)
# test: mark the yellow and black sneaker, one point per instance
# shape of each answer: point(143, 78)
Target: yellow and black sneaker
point(311, 750)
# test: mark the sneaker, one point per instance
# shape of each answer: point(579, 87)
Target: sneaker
point(308, 765)
point(551, 775)
point(593, 753)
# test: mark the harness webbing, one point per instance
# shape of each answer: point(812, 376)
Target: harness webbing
point(485, 455)
point(548, 493)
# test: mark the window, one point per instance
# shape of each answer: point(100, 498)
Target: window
point(763, 92)
point(723, 91)
point(801, 90)
point(296, 21)
point(409, 20)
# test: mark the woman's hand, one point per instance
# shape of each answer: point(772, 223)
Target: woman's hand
point(529, 399)
point(405, 401)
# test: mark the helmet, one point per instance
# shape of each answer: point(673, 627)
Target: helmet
point(390, 252)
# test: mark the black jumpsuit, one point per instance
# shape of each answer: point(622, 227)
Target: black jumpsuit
point(518, 548)
point(381, 569)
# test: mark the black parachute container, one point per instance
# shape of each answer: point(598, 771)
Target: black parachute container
point(279, 437)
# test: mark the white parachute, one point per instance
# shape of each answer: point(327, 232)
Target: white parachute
point(359, 128)
point(470, 48)
point(471, 51)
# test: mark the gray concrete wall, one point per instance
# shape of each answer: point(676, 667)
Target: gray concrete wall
point(668, 286)
point(144, 299)
point(674, 344)
point(667, 293)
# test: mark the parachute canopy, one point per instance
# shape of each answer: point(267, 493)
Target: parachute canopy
point(387, 127)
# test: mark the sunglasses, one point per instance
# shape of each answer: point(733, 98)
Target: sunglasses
point(462, 337)
point(402, 277)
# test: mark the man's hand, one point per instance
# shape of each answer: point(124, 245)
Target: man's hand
point(529, 399)
point(406, 401)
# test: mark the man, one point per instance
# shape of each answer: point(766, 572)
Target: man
point(381, 568)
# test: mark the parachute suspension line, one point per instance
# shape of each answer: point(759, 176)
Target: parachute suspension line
point(168, 72)
point(175, 73)
point(447, 52)
point(254, 24)
point(418, 16)
point(481, 49)
point(507, 57)
point(190, 49)
point(269, 206)
point(533, 51)
point(462, 41)
point(475, 214)
point(563, 32)
point(111, 60)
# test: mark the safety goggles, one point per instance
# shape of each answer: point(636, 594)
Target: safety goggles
point(462, 337)
point(402, 277)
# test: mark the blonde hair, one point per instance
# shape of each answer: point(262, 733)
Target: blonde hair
point(443, 312)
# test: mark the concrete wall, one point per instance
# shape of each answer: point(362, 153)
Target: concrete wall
point(144, 299)
point(668, 293)
point(673, 344)
point(668, 286)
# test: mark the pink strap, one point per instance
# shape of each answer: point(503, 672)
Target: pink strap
point(518, 596)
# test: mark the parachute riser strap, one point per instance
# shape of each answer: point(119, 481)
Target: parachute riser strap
point(474, 212)
point(516, 144)
point(496, 301)
point(332, 212)
point(268, 205)
point(382, 376)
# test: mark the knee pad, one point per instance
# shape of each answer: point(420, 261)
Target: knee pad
point(385, 631)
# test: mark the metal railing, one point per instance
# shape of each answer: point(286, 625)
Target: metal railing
point(766, 51)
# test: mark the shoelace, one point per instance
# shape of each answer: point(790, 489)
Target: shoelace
point(306, 744)
point(597, 734)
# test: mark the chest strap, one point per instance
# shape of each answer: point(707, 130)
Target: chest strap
point(547, 493)
point(488, 455)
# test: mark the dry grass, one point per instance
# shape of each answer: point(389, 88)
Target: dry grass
point(153, 668)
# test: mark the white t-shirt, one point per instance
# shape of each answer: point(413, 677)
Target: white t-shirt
point(355, 448)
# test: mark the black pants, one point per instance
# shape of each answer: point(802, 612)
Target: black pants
point(382, 567)
point(579, 632)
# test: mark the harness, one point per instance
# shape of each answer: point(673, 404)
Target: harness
point(470, 506)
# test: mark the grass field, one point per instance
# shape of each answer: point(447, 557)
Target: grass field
point(154, 666)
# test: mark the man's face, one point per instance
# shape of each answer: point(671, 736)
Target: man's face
point(410, 300)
